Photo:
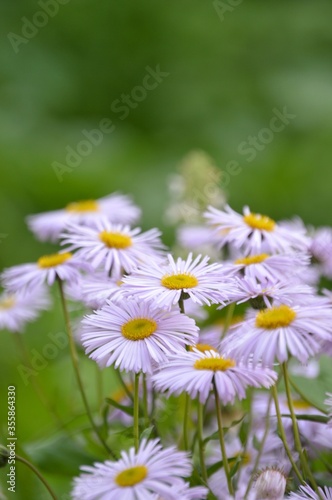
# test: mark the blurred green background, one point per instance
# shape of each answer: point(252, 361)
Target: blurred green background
point(227, 72)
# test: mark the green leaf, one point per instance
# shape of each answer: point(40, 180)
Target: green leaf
point(215, 467)
point(312, 418)
point(147, 432)
point(126, 409)
point(215, 435)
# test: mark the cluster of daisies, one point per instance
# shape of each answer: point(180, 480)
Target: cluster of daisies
point(204, 334)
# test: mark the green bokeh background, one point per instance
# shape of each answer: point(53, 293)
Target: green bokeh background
point(225, 78)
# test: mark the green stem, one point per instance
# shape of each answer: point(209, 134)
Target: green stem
point(283, 435)
point(222, 439)
point(37, 473)
point(201, 446)
point(228, 319)
point(145, 402)
point(35, 382)
point(181, 304)
point(74, 357)
point(136, 412)
point(304, 464)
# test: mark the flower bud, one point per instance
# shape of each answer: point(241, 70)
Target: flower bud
point(270, 484)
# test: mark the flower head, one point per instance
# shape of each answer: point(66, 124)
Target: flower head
point(271, 484)
point(281, 331)
point(115, 247)
point(63, 265)
point(21, 307)
point(149, 473)
point(117, 208)
point(255, 233)
point(133, 336)
point(306, 492)
point(202, 283)
point(193, 372)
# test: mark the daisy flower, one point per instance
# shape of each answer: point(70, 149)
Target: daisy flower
point(256, 233)
point(134, 335)
point(94, 290)
point(116, 247)
point(202, 283)
point(21, 307)
point(117, 208)
point(306, 492)
point(274, 267)
point(193, 372)
point(281, 331)
point(64, 265)
point(328, 403)
point(150, 473)
point(321, 250)
point(273, 291)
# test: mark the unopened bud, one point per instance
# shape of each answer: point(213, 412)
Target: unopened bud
point(270, 484)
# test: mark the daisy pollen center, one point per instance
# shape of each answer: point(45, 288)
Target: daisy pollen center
point(131, 476)
point(115, 240)
point(53, 260)
point(83, 206)
point(202, 347)
point(7, 302)
point(253, 259)
point(276, 317)
point(179, 281)
point(214, 364)
point(300, 404)
point(261, 222)
point(138, 329)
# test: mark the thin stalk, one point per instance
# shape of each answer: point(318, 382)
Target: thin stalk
point(283, 435)
point(35, 382)
point(145, 401)
point(228, 319)
point(222, 439)
point(74, 357)
point(200, 410)
point(136, 412)
point(37, 473)
point(304, 463)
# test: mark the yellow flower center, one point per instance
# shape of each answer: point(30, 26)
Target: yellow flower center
point(202, 347)
point(131, 476)
point(121, 394)
point(83, 206)
point(261, 222)
point(7, 303)
point(254, 259)
point(276, 317)
point(214, 364)
point(115, 240)
point(138, 329)
point(244, 457)
point(53, 260)
point(179, 281)
point(300, 404)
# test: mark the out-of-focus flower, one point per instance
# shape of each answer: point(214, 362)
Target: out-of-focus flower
point(17, 309)
point(117, 208)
